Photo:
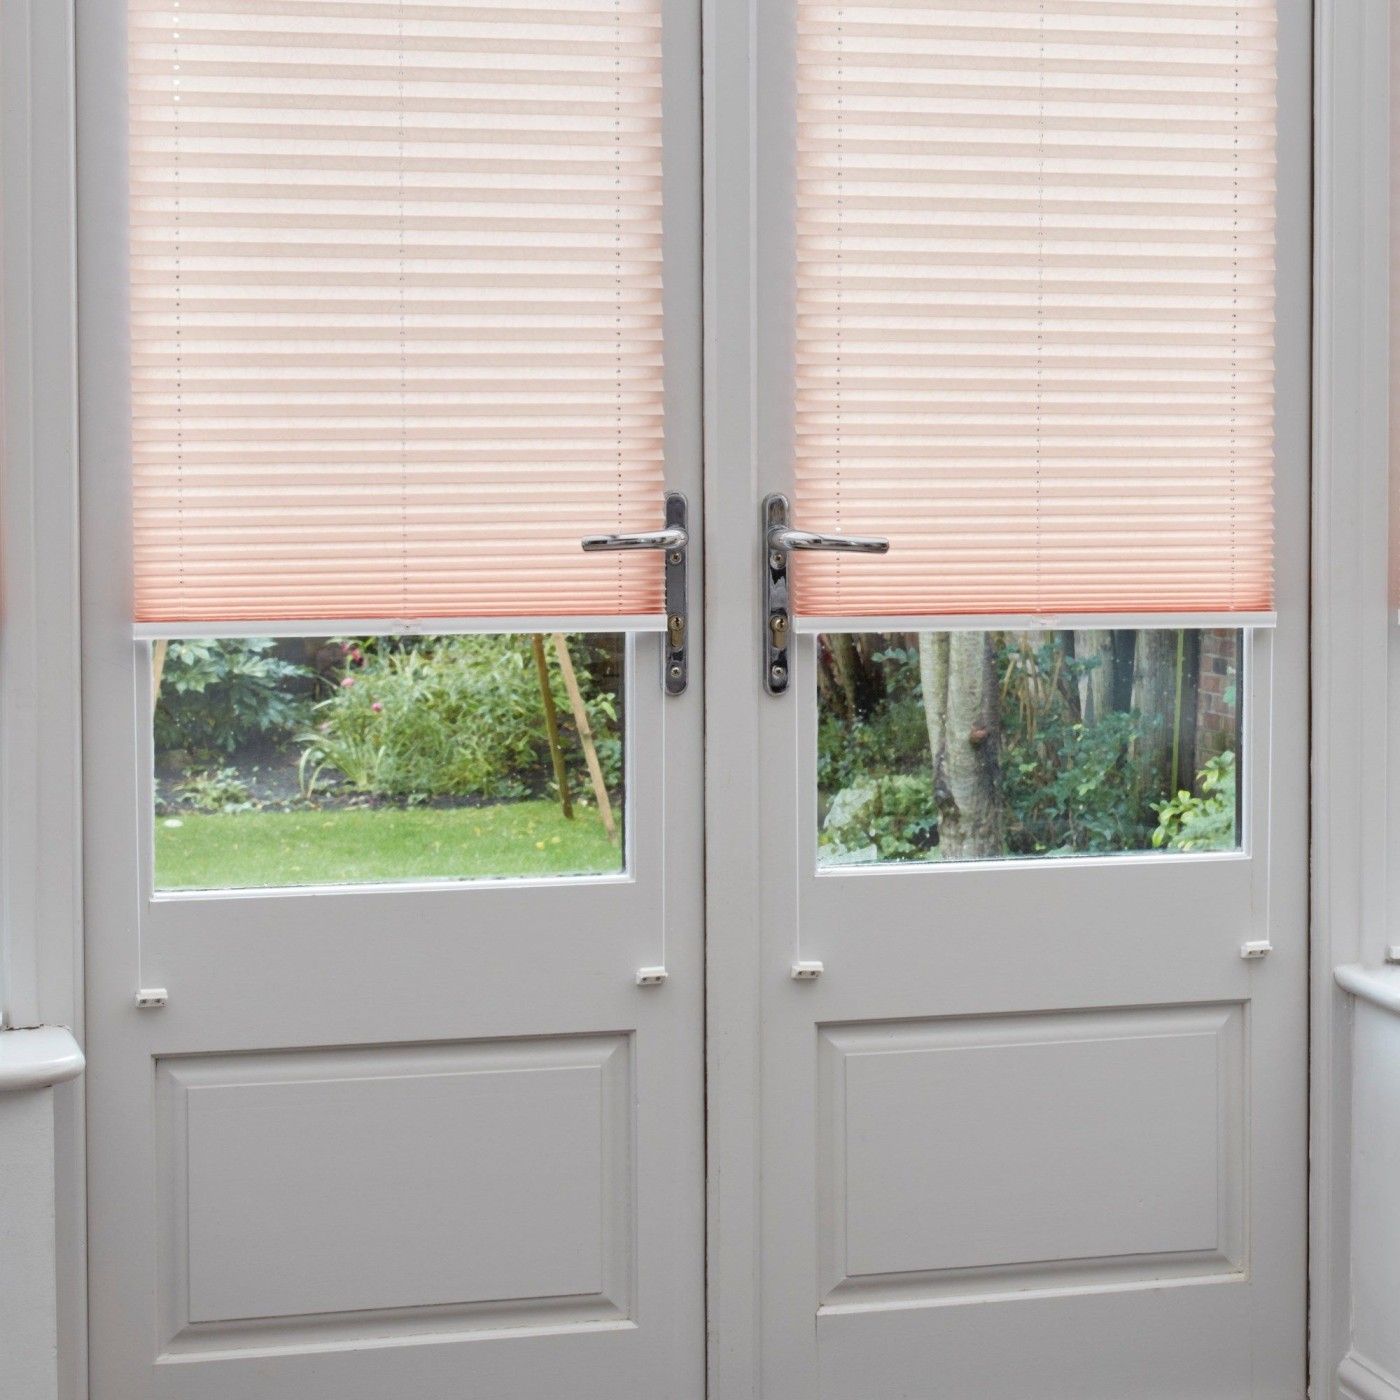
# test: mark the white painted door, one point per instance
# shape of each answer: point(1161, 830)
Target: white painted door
point(1035, 1128)
point(392, 1133)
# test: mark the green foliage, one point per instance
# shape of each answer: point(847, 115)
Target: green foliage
point(1071, 788)
point(1205, 820)
point(888, 818)
point(217, 695)
point(448, 716)
point(1074, 788)
point(219, 790)
point(849, 750)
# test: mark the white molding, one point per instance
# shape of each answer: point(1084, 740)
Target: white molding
point(39, 639)
point(1360, 1379)
point(40, 848)
point(1350, 719)
point(38, 1058)
point(1378, 986)
point(733, 689)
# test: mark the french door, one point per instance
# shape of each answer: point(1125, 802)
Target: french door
point(908, 1003)
point(378, 1114)
point(1001, 1105)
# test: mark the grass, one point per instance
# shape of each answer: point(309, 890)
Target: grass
point(240, 850)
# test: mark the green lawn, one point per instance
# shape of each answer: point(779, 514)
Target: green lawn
point(251, 849)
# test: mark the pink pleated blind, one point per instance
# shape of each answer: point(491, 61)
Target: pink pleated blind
point(396, 307)
point(1035, 268)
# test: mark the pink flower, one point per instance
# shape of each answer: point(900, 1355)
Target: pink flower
point(347, 682)
point(377, 708)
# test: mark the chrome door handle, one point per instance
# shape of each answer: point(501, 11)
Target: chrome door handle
point(674, 539)
point(785, 537)
point(779, 540)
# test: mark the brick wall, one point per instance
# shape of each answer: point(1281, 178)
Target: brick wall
point(1217, 694)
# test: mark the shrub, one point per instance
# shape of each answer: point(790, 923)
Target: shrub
point(894, 734)
point(1075, 787)
point(1070, 787)
point(888, 818)
point(1205, 820)
point(220, 790)
point(448, 716)
point(218, 695)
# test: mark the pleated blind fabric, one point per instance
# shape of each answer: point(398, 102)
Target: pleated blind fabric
point(396, 307)
point(1035, 281)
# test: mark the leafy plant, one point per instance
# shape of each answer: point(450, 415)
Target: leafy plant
point(1074, 787)
point(447, 716)
point(1203, 820)
point(220, 790)
point(1070, 787)
point(895, 734)
point(888, 818)
point(217, 695)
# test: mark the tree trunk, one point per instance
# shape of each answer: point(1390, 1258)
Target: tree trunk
point(1069, 692)
point(1096, 685)
point(933, 681)
point(858, 677)
point(1188, 699)
point(960, 706)
point(1124, 656)
point(1154, 697)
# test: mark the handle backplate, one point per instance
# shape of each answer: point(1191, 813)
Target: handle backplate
point(779, 540)
point(674, 540)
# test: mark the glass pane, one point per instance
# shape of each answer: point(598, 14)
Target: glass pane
point(366, 760)
point(987, 745)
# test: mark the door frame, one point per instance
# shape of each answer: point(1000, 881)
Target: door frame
point(1350, 432)
point(1354, 651)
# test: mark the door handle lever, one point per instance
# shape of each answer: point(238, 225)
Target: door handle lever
point(779, 540)
point(784, 537)
point(674, 539)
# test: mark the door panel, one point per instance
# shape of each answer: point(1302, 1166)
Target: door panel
point(535, 1228)
point(420, 1137)
point(935, 1135)
point(1021, 1126)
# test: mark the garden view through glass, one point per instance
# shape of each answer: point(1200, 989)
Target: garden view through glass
point(371, 760)
point(965, 746)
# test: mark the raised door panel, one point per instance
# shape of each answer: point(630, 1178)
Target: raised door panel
point(328, 1195)
point(970, 1155)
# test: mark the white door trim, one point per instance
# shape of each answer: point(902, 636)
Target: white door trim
point(1352, 721)
point(41, 982)
point(733, 689)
